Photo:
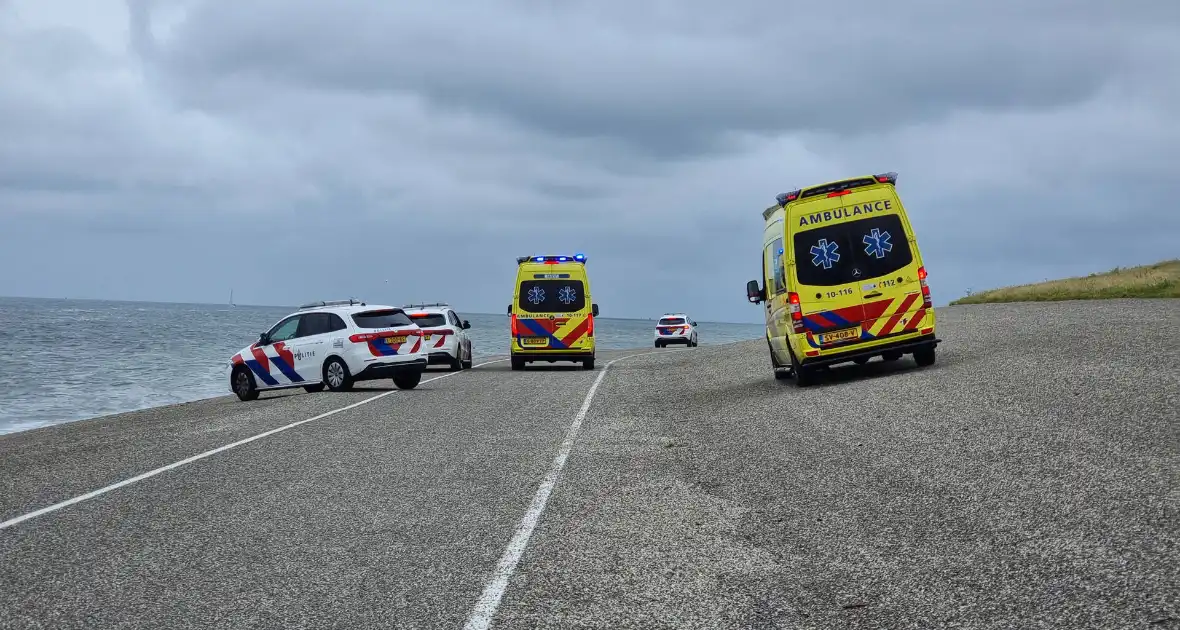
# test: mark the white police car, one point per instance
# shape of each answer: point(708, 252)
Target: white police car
point(333, 344)
point(676, 328)
point(444, 335)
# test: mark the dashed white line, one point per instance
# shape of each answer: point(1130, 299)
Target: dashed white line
point(152, 473)
point(489, 601)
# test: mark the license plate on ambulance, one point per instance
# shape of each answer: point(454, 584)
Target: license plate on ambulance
point(534, 341)
point(836, 336)
point(397, 339)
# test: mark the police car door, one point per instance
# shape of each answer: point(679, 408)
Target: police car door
point(308, 346)
point(461, 334)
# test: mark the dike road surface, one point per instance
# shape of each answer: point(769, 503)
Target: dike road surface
point(1030, 479)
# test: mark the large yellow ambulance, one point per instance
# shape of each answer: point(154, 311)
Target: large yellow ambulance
point(552, 315)
point(842, 279)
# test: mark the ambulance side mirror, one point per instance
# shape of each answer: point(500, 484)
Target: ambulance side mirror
point(754, 293)
point(509, 309)
point(594, 309)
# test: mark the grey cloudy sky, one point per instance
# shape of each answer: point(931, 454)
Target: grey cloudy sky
point(304, 149)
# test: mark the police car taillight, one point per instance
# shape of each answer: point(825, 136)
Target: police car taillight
point(796, 312)
point(926, 301)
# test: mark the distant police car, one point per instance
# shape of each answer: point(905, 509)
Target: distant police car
point(336, 344)
point(444, 335)
point(676, 328)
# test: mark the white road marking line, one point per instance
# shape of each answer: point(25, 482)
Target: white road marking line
point(152, 473)
point(489, 601)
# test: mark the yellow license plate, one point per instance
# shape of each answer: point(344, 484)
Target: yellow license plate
point(397, 339)
point(848, 334)
point(427, 335)
point(534, 341)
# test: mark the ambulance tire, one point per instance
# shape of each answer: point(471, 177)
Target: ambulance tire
point(924, 357)
point(804, 376)
point(780, 372)
point(588, 364)
point(336, 375)
point(891, 356)
point(860, 360)
point(408, 379)
point(311, 389)
point(517, 363)
point(243, 385)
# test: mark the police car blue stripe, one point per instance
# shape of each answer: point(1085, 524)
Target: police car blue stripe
point(287, 370)
point(262, 374)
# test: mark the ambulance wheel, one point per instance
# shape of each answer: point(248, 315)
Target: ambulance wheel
point(804, 376)
point(891, 356)
point(517, 363)
point(588, 364)
point(242, 382)
point(924, 357)
point(408, 379)
point(311, 389)
point(860, 360)
point(336, 375)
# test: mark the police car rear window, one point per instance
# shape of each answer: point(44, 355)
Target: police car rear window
point(429, 320)
point(551, 296)
point(381, 319)
point(851, 252)
point(671, 321)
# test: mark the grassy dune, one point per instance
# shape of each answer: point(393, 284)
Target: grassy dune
point(1161, 280)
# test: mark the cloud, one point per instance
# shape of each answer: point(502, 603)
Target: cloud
point(353, 140)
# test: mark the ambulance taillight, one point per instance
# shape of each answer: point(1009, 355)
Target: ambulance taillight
point(926, 301)
point(590, 325)
point(514, 326)
point(796, 312)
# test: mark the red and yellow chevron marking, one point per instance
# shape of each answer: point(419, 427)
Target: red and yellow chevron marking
point(886, 317)
point(565, 331)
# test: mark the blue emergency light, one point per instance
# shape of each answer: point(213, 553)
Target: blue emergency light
point(552, 259)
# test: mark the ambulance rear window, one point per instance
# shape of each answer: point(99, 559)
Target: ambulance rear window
point(851, 252)
point(551, 296)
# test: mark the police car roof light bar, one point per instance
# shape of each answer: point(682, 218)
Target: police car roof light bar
point(427, 305)
point(323, 303)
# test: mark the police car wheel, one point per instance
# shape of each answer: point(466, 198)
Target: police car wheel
point(336, 375)
point(466, 363)
point(658, 344)
point(311, 389)
point(243, 384)
point(924, 357)
point(408, 379)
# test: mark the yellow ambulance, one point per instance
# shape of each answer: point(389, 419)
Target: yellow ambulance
point(551, 314)
point(842, 279)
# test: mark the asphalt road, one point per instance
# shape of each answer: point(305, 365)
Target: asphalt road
point(1030, 479)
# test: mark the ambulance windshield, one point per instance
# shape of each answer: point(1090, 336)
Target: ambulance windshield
point(851, 252)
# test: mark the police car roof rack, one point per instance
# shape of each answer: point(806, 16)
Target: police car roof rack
point(323, 303)
point(444, 304)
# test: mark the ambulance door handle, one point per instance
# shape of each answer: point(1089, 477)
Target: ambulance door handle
point(874, 294)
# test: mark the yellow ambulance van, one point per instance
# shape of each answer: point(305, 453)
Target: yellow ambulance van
point(842, 279)
point(552, 315)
